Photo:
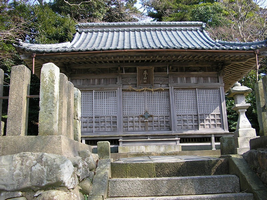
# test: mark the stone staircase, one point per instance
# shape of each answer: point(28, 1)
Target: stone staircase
point(174, 177)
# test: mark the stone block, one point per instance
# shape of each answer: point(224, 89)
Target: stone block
point(103, 149)
point(49, 100)
point(17, 121)
point(48, 144)
point(63, 106)
point(227, 145)
point(258, 143)
point(36, 170)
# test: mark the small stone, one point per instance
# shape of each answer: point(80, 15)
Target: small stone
point(86, 186)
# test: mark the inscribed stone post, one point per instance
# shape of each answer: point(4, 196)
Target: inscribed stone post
point(70, 110)
point(261, 107)
point(63, 104)
point(77, 115)
point(1, 101)
point(49, 100)
point(17, 121)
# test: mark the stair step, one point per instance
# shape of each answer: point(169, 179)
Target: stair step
point(226, 196)
point(173, 186)
point(168, 166)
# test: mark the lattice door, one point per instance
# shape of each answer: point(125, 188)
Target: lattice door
point(99, 111)
point(186, 109)
point(197, 109)
point(209, 108)
point(146, 111)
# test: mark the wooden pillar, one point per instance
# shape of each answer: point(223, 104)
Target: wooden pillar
point(17, 121)
point(49, 100)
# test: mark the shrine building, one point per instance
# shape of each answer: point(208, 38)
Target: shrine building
point(156, 83)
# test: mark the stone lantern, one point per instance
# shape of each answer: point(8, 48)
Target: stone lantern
point(244, 132)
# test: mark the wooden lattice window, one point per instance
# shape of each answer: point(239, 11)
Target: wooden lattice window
point(197, 109)
point(99, 111)
point(136, 104)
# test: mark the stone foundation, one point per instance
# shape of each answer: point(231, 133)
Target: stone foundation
point(55, 144)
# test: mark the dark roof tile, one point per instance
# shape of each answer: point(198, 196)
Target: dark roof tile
point(133, 36)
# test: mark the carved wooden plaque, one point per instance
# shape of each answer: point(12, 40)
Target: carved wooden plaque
point(145, 76)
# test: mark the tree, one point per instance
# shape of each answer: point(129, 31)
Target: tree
point(119, 11)
point(245, 21)
point(173, 10)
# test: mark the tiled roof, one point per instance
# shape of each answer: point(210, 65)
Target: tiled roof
point(140, 36)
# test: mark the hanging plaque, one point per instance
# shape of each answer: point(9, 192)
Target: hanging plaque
point(145, 76)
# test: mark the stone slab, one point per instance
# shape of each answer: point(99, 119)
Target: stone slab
point(150, 148)
point(258, 143)
point(234, 196)
point(173, 186)
point(169, 168)
point(55, 144)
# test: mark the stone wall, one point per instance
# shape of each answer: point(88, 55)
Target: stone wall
point(257, 160)
point(43, 176)
point(54, 164)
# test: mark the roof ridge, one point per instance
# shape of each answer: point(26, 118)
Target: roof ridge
point(115, 25)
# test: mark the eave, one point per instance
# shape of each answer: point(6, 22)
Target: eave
point(236, 63)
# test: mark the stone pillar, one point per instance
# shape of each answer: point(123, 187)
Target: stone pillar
point(2, 76)
point(103, 150)
point(63, 105)
point(49, 100)
point(70, 111)
point(261, 108)
point(17, 121)
point(244, 132)
point(77, 115)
